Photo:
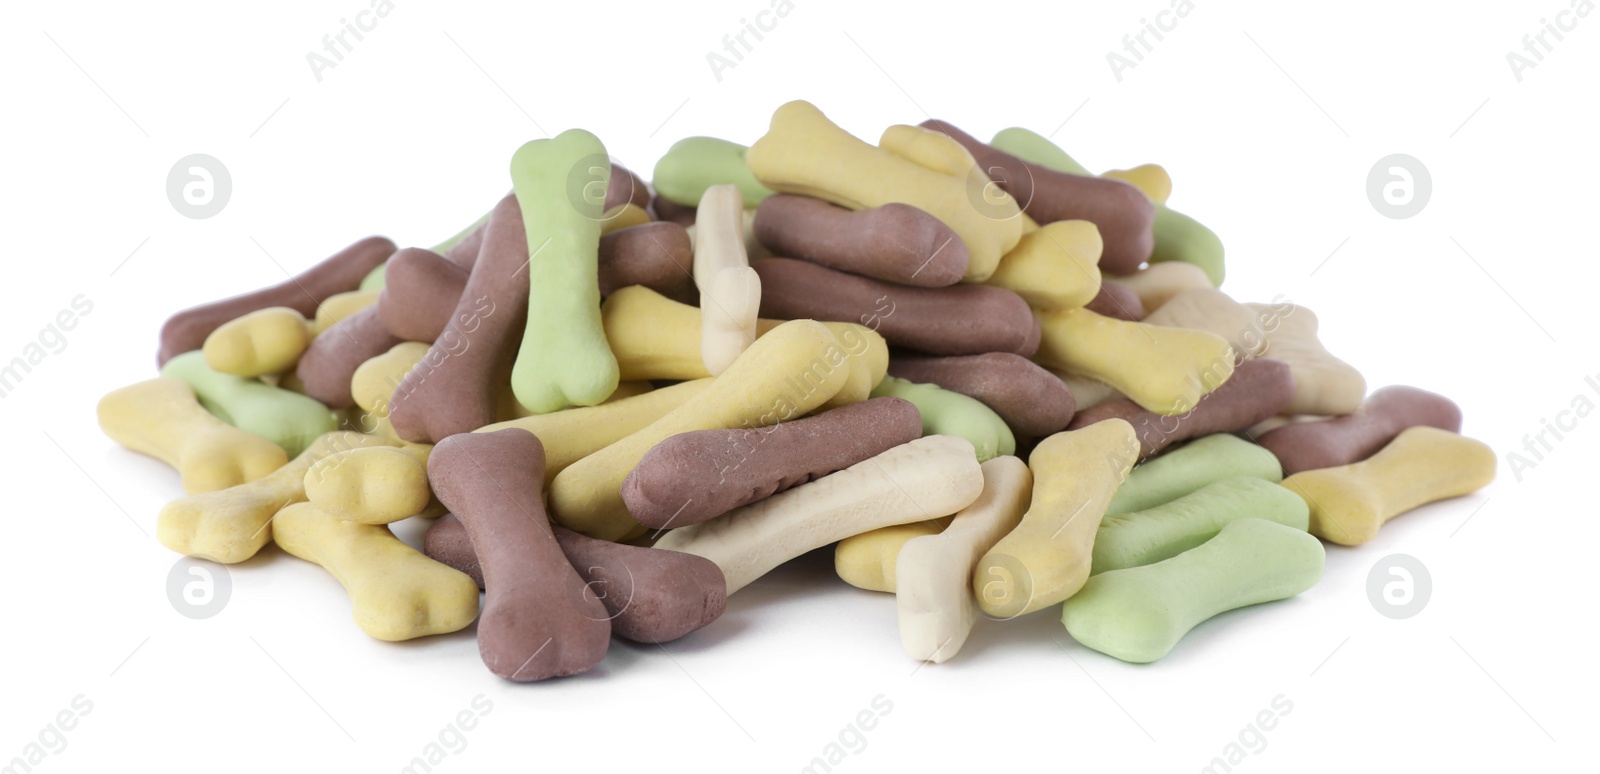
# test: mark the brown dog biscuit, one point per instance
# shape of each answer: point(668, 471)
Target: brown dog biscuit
point(665, 209)
point(653, 595)
point(1256, 390)
point(539, 619)
point(463, 253)
point(957, 320)
point(421, 290)
point(1031, 400)
point(1117, 302)
point(895, 242)
point(454, 388)
point(328, 364)
point(304, 292)
point(1330, 443)
point(656, 255)
point(1123, 213)
point(699, 475)
point(624, 187)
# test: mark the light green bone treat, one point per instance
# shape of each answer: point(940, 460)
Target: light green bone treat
point(1189, 467)
point(1178, 236)
point(1156, 534)
point(288, 419)
point(564, 360)
point(1139, 614)
point(694, 164)
point(375, 279)
point(951, 413)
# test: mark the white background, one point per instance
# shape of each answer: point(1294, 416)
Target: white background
point(1268, 118)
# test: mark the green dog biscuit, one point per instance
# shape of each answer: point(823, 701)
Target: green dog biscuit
point(694, 164)
point(951, 413)
point(1139, 614)
point(1156, 534)
point(288, 419)
point(1178, 236)
point(1189, 467)
point(564, 360)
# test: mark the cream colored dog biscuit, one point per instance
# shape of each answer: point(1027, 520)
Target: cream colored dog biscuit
point(730, 291)
point(927, 478)
point(933, 574)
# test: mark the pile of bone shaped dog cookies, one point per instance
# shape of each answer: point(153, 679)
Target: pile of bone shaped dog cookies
point(996, 381)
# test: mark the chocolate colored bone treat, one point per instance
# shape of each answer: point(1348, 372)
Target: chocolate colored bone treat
point(1330, 443)
point(700, 475)
point(958, 320)
point(1030, 399)
point(453, 389)
point(421, 291)
point(656, 255)
point(894, 242)
point(335, 354)
point(1118, 302)
point(539, 619)
point(624, 187)
point(1123, 213)
point(341, 272)
point(651, 594)
point(1257, 390)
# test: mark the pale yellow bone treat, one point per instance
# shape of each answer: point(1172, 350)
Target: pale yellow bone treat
point(1164, 370)
point(571, 434)
point(162, 418)
point(266, 341)
point(785, 374)
point(623, 216)
point(1086, 392)
point(377, 485)
point(805, 153)
point(730, 291)
point(231, 525)
point(396, 593)
point(1159, 282)
point(930, 477)
point(1047, 557)
point(867, 560)
point(655, 337)
point(1421, 465)
point(933, 574)
point(339, 306)
point(1152, 179)
point(374, 382)
point(1054, 267)
point(1324, 384)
